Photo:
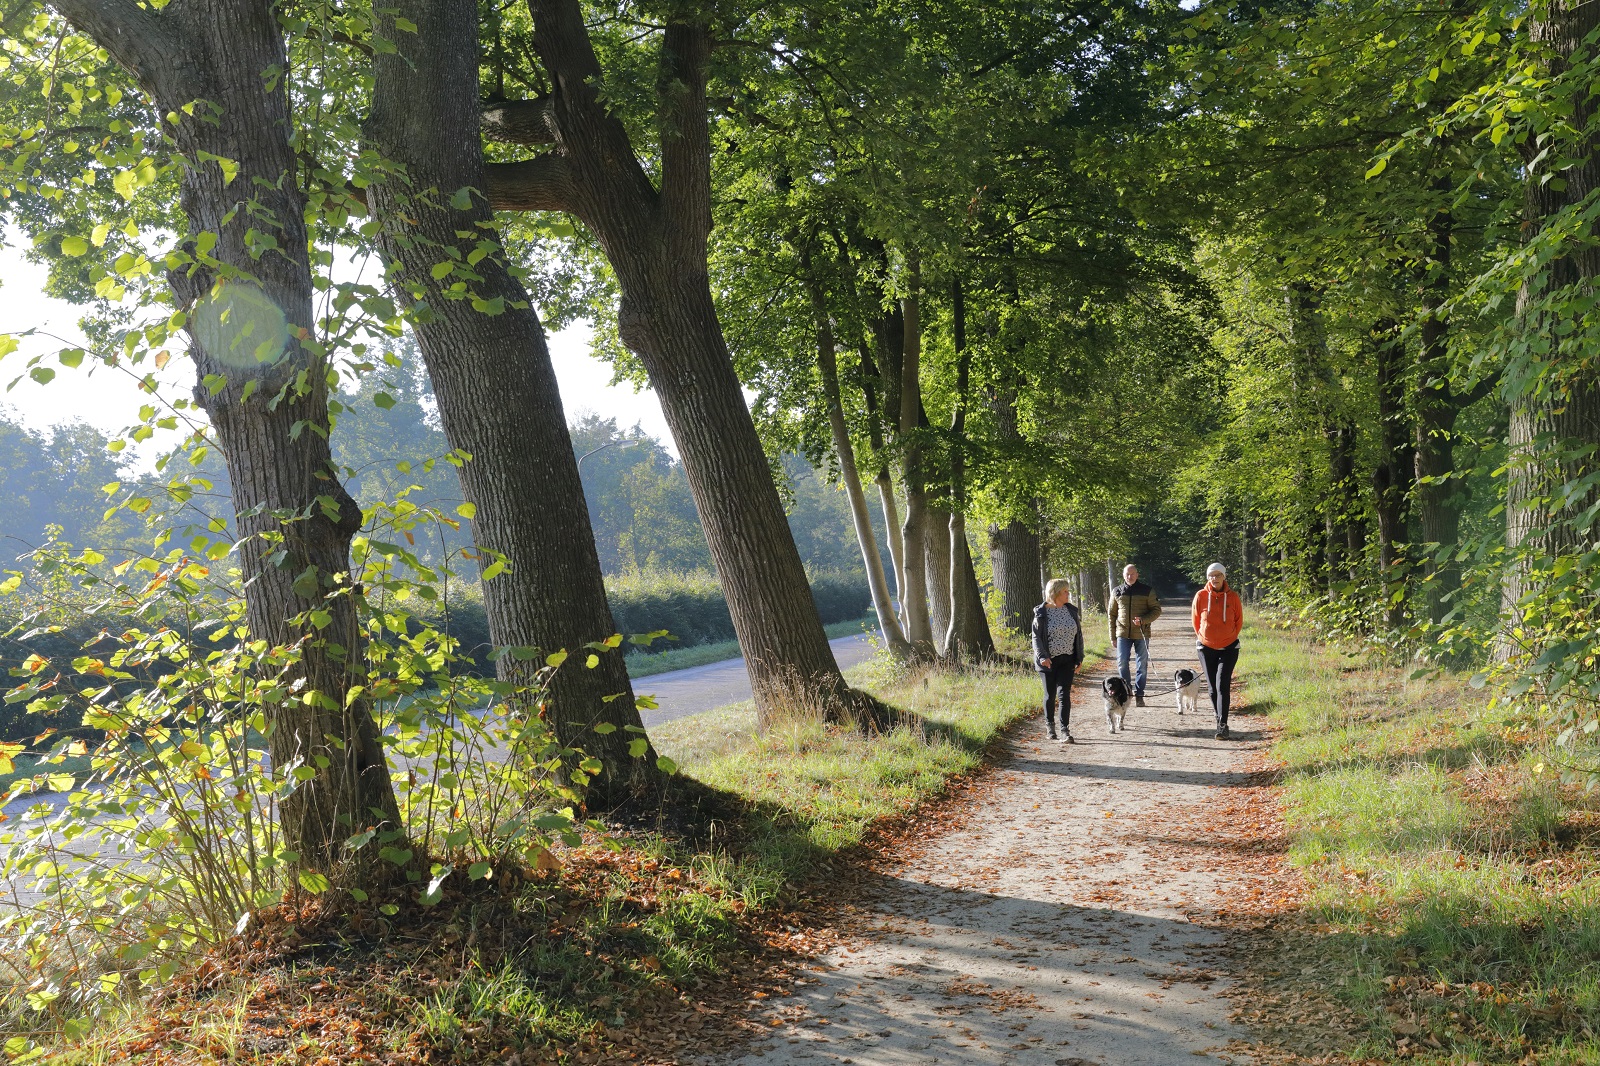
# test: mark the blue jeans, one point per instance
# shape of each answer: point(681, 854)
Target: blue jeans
point(1141, 649)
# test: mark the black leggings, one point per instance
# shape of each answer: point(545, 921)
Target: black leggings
point(1219, 664)
point(1058, 679)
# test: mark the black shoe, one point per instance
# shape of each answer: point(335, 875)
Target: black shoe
point(1053, 735)
point(1066, 738)
point(1138, 701)
point(1222, 732)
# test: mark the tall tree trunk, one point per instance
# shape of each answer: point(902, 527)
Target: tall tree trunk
point(655, 240)
point(1438, 504)
point(1391, 476)
point(1093, 595)
point(1344, 505)
point(1312, 399)
point(936, 556)
point(496, 389)
point(968, 635)
point(914, 475)
point(1014, 557)
point(844, 451)
point(225, 54)
point(1553, 407)
point(893, 534)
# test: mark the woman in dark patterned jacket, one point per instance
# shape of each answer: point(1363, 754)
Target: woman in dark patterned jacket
point(1057, 651)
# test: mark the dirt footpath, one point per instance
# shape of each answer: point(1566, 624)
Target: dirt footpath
point(1056, 925)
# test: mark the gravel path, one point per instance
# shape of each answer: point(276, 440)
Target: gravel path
point(1053, 925)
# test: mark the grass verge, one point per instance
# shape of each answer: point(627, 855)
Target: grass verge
point(1451, 910)
point(645, 663)
point(628, 953)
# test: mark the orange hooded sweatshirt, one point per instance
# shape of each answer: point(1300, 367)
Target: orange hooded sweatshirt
point(1218, 616)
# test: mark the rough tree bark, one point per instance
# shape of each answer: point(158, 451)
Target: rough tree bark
point(1344, 516)
point(1391, 476)
point(884, 480)
point(496, 389)
point(968, 636)
point(1553, 407)
point(936, 574)
point(1014, 557)
point(914, 538)
point(294, 519)
point(844, 451)
point(1437, 499)
point(1014, 552)
point(1312, 399)
point(655, 239)
point(886, 369)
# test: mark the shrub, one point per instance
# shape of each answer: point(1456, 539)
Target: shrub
point(689, 606)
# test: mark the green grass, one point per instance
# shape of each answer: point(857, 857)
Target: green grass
point(820, 788)
point(27, 765)
point(562, 962)
point(1453, 879)
point(645, 663)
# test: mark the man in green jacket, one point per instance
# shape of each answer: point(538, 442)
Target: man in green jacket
point(1132, 607)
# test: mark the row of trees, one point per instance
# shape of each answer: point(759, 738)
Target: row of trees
point(1305, 287)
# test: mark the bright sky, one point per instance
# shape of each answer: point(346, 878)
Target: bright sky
point(109, 400)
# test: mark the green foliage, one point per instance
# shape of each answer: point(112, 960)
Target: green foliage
point(1439, 848)
point(170, 843)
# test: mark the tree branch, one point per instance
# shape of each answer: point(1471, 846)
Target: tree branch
point(529, 122)
point(543, 183)
point(138, 38)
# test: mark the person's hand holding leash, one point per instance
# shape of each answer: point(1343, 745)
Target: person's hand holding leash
point(1045, 663)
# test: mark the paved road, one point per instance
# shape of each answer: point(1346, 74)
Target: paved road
point(681, 693)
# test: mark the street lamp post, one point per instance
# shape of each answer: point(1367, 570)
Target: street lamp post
point(627, 442)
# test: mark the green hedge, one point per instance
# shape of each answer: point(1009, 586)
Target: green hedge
point(690, 607)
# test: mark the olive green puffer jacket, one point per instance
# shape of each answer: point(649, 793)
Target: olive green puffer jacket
point(1128, 602)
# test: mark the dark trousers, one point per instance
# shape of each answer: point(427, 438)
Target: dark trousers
point(1058, 693)
point(1219, 664)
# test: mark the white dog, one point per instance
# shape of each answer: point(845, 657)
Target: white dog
point(1186, 683)
point(1114, 691)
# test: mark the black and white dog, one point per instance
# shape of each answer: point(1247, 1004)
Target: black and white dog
point(1115, 693)
point(1186, 683)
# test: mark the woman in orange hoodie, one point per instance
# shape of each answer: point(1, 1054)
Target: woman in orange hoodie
point(1218, 618)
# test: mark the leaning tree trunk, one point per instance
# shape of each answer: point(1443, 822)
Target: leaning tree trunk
point(496, 389)
point(914, 476)
point(1391, 476)
point(968, 636)
point(656, 241)
point(844, 451)
point(893, 533)
point(294, 519)
point(1555, 395)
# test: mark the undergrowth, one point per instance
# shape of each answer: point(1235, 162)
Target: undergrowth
point(584, 962)
point(1452, 876)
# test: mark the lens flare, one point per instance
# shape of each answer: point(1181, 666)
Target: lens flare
point(238, 324)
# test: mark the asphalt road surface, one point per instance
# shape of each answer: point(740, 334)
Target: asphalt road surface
point(681, 693)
